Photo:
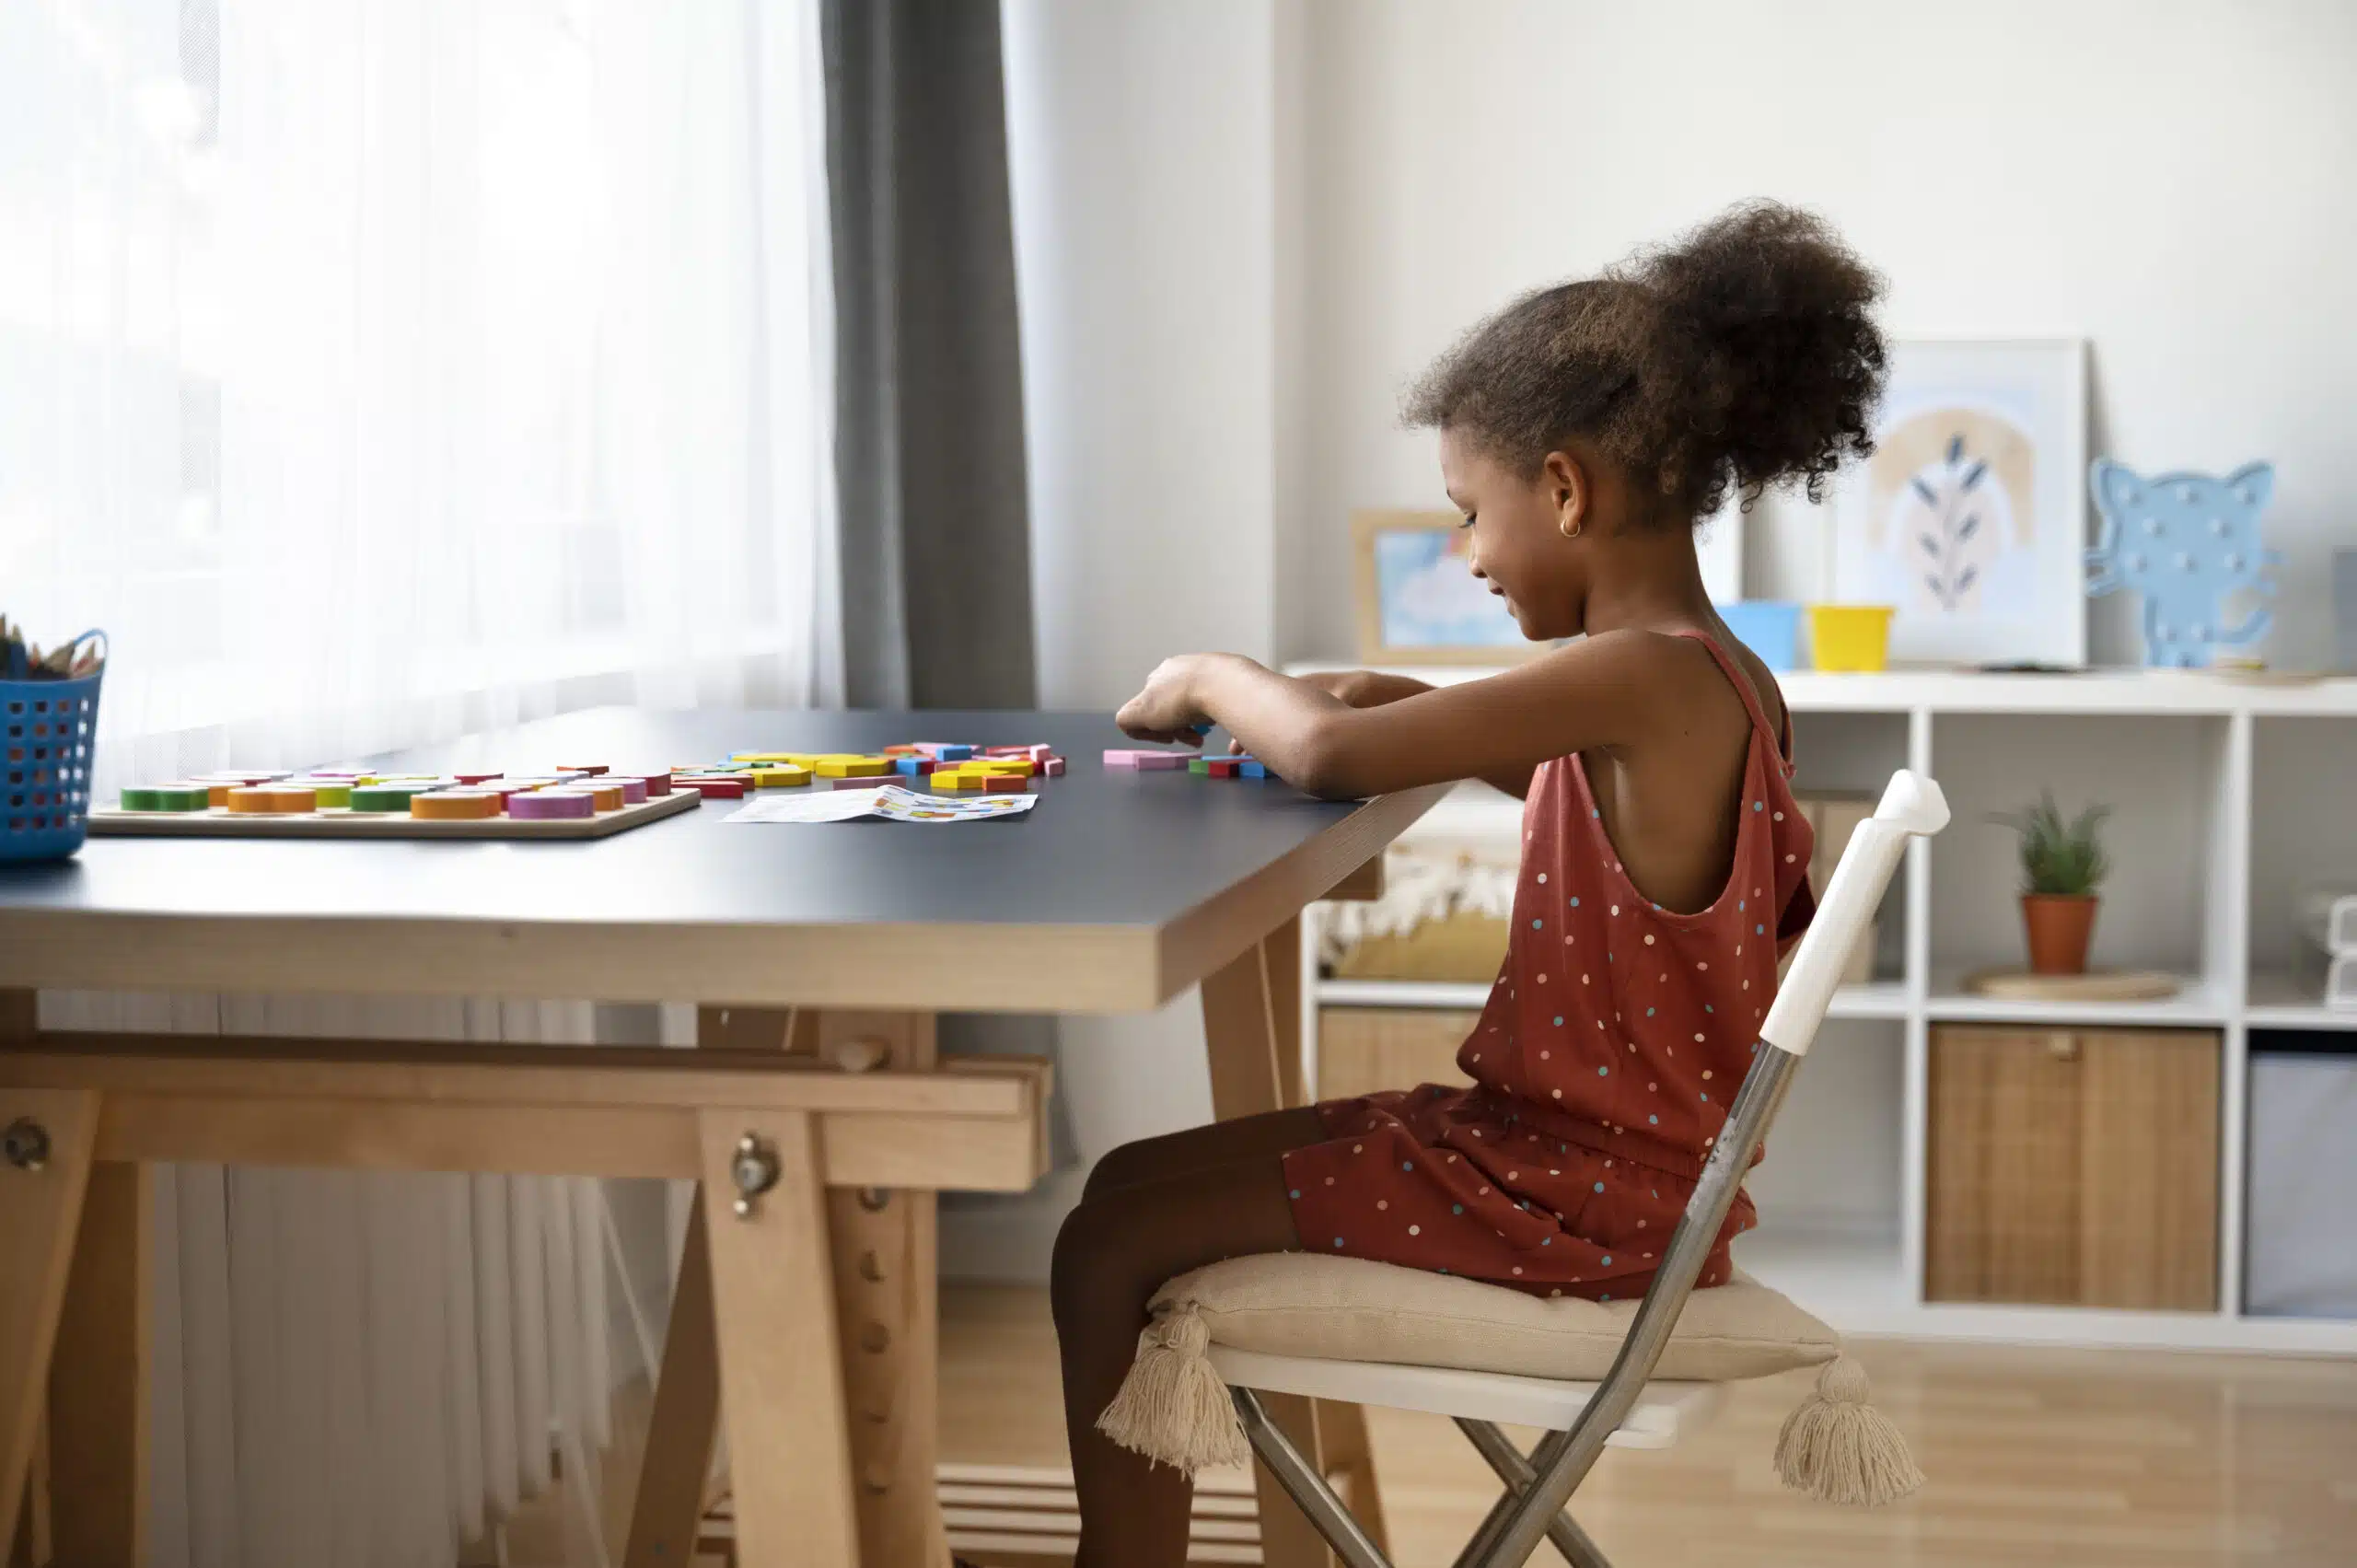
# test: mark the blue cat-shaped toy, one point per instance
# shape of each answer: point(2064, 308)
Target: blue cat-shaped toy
point(2184, 540)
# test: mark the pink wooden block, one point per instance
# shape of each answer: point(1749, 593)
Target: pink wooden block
point(1053, 767)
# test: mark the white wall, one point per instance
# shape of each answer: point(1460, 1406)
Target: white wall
point(1140, 138)
point(2173, 182)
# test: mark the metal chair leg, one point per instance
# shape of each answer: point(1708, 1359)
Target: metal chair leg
point(1514, 1470)
point(1306, 1486)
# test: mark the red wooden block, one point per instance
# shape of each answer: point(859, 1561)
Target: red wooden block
point(1224, 767)
point(714, 786)
point(1005, 783)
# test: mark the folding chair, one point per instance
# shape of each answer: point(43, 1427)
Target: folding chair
point(1582, 1417)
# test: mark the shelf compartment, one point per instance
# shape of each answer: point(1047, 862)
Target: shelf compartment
point(2170, 900)
point(2303, 837)
point(2282, 1000)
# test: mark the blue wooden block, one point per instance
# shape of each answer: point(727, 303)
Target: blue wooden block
point(2184, 542)
point(956, 753)
point(1252, 770)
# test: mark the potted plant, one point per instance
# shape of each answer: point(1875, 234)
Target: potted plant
point(2063, 865)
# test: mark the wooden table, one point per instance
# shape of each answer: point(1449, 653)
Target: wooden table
point(818, 955)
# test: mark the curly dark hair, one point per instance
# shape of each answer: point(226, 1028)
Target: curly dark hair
point(1743, 353)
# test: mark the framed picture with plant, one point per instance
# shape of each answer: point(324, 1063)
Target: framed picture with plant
point(1970, 518)
point(2063, 865)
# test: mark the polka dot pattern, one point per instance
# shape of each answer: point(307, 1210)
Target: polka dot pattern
point(1543, 1176)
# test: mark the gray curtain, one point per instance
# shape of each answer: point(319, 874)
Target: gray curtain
point(936, 556)
point(935, 553)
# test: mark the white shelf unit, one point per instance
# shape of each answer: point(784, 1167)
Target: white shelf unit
point(2230, 798)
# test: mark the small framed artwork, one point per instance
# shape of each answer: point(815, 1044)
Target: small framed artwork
point(1970, 520)
point(1418, 599)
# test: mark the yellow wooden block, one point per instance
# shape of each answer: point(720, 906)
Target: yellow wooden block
point(852, 767)
point(956, 779)
point(1021, 767)
point(779, 776)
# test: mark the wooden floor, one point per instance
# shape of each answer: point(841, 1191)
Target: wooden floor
point(2091, 1459)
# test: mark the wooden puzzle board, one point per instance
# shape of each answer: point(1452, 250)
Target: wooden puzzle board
point(219, 823)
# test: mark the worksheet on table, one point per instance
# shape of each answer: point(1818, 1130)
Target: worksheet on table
point(888, 801)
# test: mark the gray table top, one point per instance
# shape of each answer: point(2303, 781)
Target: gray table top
point(1119, 889)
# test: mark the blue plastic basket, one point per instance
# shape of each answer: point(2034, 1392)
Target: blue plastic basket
point(1769, 627)
point(46, 729)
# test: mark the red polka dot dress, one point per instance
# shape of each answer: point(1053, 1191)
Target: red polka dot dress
point(1603, 1065)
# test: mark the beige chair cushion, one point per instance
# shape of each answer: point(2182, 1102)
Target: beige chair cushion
point(1350, 1309)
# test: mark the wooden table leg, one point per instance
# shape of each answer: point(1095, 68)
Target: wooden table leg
point(882, 1250)
point(41, 1214)
point(683, 1429)
point(98, 1380)
point(686, 1418)
point(773, 1308)
point(888, 1306)
point(1252, 1028)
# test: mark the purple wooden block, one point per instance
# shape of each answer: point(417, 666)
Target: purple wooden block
point(546, 805)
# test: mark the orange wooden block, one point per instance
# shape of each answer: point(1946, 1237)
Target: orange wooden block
point(456, 804)
point(267, 799)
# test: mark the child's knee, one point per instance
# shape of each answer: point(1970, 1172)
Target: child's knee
point(1110, 1256)
point(1117, 1168)
point(1088, 1257)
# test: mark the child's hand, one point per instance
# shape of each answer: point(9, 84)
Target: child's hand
point(1168, 708)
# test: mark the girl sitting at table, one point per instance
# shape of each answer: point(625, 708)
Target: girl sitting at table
point(1583, 431)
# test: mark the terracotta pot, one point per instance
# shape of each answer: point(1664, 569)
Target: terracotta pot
point(2059, 925)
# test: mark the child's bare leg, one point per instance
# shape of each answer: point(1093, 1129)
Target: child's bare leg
point(1115, 1251)
point(1196, 1148)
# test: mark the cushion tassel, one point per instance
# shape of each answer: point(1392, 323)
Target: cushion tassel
point(1837, 1449)
point(1172, 1407)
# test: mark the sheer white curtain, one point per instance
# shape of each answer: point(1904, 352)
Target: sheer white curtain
point(376, 369)
point(373, 371)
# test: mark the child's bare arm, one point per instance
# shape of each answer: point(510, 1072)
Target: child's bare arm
point(1374, 688)
point(1602, 690)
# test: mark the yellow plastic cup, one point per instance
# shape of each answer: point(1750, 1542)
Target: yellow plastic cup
point(1850, 636)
